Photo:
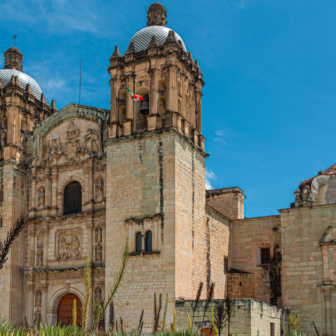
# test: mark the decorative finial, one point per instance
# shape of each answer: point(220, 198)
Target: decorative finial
point(14, 38)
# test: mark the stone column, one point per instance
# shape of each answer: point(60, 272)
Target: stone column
point(153, 93)
point(30, 305)
point(44, 307)
point(199, 110)
point(327, 298)
point(169, 89)
point(129, 100)
point(143, 241)
point(45, 248)
point(114, 95)
point(90, 235)
point(183, 93)
point(32, 232)
point(54, 179)
point(48, 195)
point(192, 106)
point(33, 200)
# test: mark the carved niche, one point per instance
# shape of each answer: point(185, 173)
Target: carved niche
point(98, 294)
point(38, 299)
point(68, 244)
point(98, 253)
point(99, 235)
point(39, 250)
point(328, 245)
point(73, 131)
point(41, 197)
point(99, 188)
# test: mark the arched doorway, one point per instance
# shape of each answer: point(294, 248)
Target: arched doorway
point(64, 310)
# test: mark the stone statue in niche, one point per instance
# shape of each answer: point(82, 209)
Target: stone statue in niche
point(40, 240)
point(39, 258)
point(98, 253)
point(41, 197)
point(91, 140)
point(53, 147)
point(99, 236)
point(38, 299)
point(98, 295)
point(72, 132)
point(68, 247)
point(99, 188)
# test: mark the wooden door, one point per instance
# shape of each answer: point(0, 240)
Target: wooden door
point(207, 331)
point(64, 311)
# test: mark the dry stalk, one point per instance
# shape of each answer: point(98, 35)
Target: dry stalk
point(197, 300)
point(111, 316)
point(13, 233)
point(209, 298)
point(157, 313)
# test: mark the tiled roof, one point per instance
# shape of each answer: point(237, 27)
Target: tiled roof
point(330, 171)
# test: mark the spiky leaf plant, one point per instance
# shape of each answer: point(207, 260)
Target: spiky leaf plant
point(88, 293)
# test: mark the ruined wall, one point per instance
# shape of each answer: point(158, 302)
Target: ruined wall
point(303, 268)
point(247, 237)
point(228, 201)
point(248, 316)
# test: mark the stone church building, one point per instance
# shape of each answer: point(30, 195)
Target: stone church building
point(89, 178)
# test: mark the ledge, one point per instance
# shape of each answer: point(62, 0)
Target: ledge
point(132, 254)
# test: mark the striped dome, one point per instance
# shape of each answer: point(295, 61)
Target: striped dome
point(6, 75)
point(142, 38)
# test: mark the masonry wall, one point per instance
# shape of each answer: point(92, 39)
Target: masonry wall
point(140, 184)
point(228, 201)
point(241, 285)
point(302, 266)
point(248, 316)
point(11, 276)
point(247, 236)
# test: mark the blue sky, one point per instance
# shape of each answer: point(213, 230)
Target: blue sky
point(269, 67)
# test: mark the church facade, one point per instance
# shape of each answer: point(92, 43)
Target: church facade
point(89, 178)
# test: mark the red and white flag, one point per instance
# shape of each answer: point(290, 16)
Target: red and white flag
point(135, 96)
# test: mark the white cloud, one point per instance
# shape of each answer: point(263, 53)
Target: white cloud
point(209, 175)
point(220, 134)
point(56, 15)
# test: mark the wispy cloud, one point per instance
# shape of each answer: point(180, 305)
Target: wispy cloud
point(220, 137)
point(57, 15)
point(209, 175)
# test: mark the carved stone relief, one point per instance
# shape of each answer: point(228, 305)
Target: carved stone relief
point(98, 253)
point(99, 188)
point(39, 258)
point(91, 140)
point(38, 299)
point(68, 244)
point(98, 294)
point(99, 236)
point(72, 132)
point(72, 150)
point(41, 197)
point(53, 147)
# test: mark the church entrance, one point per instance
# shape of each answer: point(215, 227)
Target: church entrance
point(64, 310)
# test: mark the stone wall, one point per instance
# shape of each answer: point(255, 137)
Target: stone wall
point(247, 237)
point(303, 268)
point(228, 201)
point(11, 276)
point(248, 316)
point(241, 285)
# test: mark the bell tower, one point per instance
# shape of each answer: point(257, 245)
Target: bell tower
point(155, 154)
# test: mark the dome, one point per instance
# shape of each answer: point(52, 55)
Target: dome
point(14, 49)
point(6, 75)
point(142, 38)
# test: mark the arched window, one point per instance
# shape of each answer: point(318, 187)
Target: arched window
point(72, 198)
point(138, 242)
point(148, 241)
